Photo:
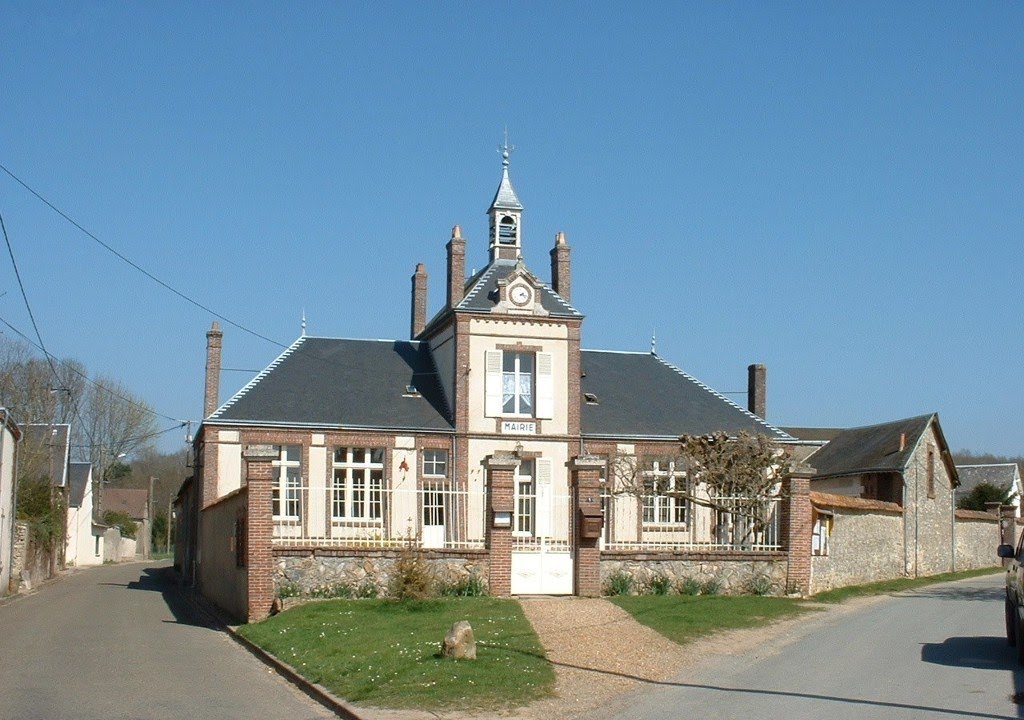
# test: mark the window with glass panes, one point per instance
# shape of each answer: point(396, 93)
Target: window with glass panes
point(286, 497)
point(435, 462)
point(524, 498)
point(517, 383)
point(661, 504)
point(357, 489)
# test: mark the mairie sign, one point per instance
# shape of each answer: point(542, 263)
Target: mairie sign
point(518, 427)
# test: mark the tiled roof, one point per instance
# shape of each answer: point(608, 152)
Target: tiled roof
point(874, 448)
point(975, 515)
point(343, 383)
point(640, 395)
point(52, 440)
point(830, 500)
point(130, 501)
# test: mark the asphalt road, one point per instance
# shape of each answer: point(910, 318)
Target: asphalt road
point(116, 642)
point(938, 652)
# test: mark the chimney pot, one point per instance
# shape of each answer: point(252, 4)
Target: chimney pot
point(757, 382)
point(456, 267)
point(560, 266)
point(419, 301)
point(211, 393)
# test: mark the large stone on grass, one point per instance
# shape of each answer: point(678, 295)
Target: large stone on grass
point(459, 642)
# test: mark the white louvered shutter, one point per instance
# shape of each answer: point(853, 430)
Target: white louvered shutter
point(544, 498)
point(545, 386)
point(492, 383)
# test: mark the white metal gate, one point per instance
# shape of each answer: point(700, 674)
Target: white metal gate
point(542, 560)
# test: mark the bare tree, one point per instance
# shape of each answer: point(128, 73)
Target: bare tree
point(737, 477)
point(35, 390)
point(115, 423)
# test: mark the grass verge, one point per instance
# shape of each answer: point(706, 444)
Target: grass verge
point(890, 586)
point(385, 653)
point(682, 618)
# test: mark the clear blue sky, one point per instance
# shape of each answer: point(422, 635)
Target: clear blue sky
point(834, 190)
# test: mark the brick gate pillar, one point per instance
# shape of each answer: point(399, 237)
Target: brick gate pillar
point(260, 530)
point(500, 516)
point(795, 528)
point(586, 475)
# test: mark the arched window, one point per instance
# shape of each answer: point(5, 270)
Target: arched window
point(507, 230)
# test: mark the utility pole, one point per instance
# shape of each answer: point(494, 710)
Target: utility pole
point(152, 516)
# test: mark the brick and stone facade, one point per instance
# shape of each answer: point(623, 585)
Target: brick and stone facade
point(521, 493)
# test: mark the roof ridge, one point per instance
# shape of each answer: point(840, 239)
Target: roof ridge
point(259, 376)
point(618, 352)
point(351, 339)
point(974, 465)
point(720, 396)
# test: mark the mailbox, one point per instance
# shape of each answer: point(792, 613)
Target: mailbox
point(591, 521)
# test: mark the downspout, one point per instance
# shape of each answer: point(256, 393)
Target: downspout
point(952, 528)
point(917, 549)
point(906, 548)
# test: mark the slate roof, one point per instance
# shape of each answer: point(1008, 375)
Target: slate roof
point(133, 502)
point(1002, 475)
point(640, 395)
point(81, 475)
point(54, 441)
point(482, 290)
point(505, 198)
point(480, 294)
point(812, 434)
point(873, 448)
point(343, 383)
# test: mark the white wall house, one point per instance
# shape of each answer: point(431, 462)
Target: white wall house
point(10, 434)
point(84, 535)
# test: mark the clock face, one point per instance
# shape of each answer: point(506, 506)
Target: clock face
point(520, 295)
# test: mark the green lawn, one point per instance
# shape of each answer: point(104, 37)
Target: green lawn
point(682, 618)
point(385, 653)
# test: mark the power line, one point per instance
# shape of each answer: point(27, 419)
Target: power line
point(35, 326)
point(89, 380)
point(24, 296)
point(139, 438)
point(136, 266)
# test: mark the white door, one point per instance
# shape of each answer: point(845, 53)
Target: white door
point(541, 553)
point(434, 516)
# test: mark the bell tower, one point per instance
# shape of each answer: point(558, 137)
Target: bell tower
point(506, 214)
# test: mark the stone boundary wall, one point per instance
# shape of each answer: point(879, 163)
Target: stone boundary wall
point(977, 535)
point(319, 571)
point(220, 579)
point(30, 564)
point(864, 546)
point(734, 571)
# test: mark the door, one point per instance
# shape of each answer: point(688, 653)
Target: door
point(542, 562)
point(434, 517)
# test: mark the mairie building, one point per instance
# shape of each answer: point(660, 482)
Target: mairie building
point(490, 441)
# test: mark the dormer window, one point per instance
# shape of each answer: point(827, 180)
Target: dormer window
point(507, 230)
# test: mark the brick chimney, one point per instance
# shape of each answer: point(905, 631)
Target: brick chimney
point(213, 343)
point(456, 267)
point(757, 377)
point(419, 300)
point(560, 266)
